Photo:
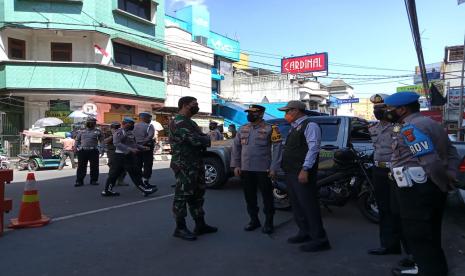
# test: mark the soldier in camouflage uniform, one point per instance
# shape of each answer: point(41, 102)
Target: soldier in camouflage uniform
point(187, 144)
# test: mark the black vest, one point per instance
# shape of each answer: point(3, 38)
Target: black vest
point(296, 149)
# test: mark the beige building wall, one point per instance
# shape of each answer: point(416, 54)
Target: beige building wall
point(364, 109)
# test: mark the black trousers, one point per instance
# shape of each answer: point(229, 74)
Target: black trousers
point(390, 230)
point(84, 157)
point(124, 162)
point(111, 160)
point(251, 181)
point(145, 163)
point(421, 211)
point(306, 207)
point(65, 154)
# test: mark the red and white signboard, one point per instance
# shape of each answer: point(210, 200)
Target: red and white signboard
point(316, 63)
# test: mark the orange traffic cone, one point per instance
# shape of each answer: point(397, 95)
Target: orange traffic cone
point(30, 214)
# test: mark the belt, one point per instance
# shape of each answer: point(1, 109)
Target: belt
point(385, 165)
point(88, 148)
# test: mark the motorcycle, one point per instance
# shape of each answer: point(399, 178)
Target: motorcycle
point(348, 178)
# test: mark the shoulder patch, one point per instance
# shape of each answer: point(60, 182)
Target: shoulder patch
point(275, 134)
point(418, 142)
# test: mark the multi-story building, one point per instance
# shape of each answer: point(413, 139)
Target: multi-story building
point(188, 35)
point(452, 69)
point(338, 89)
point(107, 56)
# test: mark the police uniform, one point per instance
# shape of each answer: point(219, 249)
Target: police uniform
point(110, 150)
point(144, 133)
point(89, 144)
point(424, 165)
point(252, 153)
point(389, 219)
point(215, 134)
point(125, 159)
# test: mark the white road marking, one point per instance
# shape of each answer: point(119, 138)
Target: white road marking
point(104, 209)
point(110, 208)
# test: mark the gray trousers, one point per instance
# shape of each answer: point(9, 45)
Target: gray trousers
point(306, 207)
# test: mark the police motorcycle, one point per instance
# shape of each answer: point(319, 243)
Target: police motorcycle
point(349, 177)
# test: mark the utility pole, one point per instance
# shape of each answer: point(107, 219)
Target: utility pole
point(459, 127)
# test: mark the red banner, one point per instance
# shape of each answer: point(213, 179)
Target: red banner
point(305, 64)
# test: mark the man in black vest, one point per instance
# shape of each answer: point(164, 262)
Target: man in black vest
point(300, 163)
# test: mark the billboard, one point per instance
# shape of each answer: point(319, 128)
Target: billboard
point(433, 72)
point(316, 63)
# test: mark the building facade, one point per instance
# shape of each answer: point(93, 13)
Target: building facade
point(338, 89)
point(60, 56)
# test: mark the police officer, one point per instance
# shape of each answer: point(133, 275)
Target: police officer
point(252, 160)
point(187, 146)
point(125, 158)
point(215, 134)
point(300, 163)
point(144, 133)
point(110, 149)
point(89, 144)
point(424, 165)
point(68, 151)
point(389, 223)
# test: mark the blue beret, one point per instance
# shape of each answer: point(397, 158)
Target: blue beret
point(128, 120)
point(401, 99)
point(145, 114)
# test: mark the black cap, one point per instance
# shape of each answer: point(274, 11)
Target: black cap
point(91, 120)
point(255, 108)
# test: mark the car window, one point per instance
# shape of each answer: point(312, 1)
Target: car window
point(359, 130)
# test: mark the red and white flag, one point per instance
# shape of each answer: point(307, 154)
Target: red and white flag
point(100, 50)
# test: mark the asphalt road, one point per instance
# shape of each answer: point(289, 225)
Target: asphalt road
point(132, 235)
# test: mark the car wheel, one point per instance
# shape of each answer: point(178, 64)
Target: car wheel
point(214, 173)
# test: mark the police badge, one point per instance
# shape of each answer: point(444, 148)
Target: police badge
point(396, 128)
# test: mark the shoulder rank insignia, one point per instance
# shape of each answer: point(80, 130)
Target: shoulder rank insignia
point(275, 134)
point(396, 128)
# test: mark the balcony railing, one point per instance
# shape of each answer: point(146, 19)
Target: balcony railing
point(80, 77)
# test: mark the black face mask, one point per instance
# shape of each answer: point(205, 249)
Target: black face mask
point(194, 110)
point(252, 118)
point(212, 128)
point(392, 116)
point(129, 127)
point(90, 125)
point(379, 113)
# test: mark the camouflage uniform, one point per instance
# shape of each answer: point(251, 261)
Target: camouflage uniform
point(187, 145)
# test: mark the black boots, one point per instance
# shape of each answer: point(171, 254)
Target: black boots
point(268, 228)
point(183, 232)
point(147, 191)
point(109, 190)
point(253, 224)
point(202, 228)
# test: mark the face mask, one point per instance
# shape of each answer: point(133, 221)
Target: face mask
point(253, 118)
point(289, 118)
point(392, 116)
point(194, 110)
point(90, 125)
point(129, 127)
point(212, 128)
point(379, 113)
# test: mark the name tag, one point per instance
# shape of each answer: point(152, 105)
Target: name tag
point(419, 143)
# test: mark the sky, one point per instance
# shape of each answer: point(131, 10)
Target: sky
point(356, 33)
